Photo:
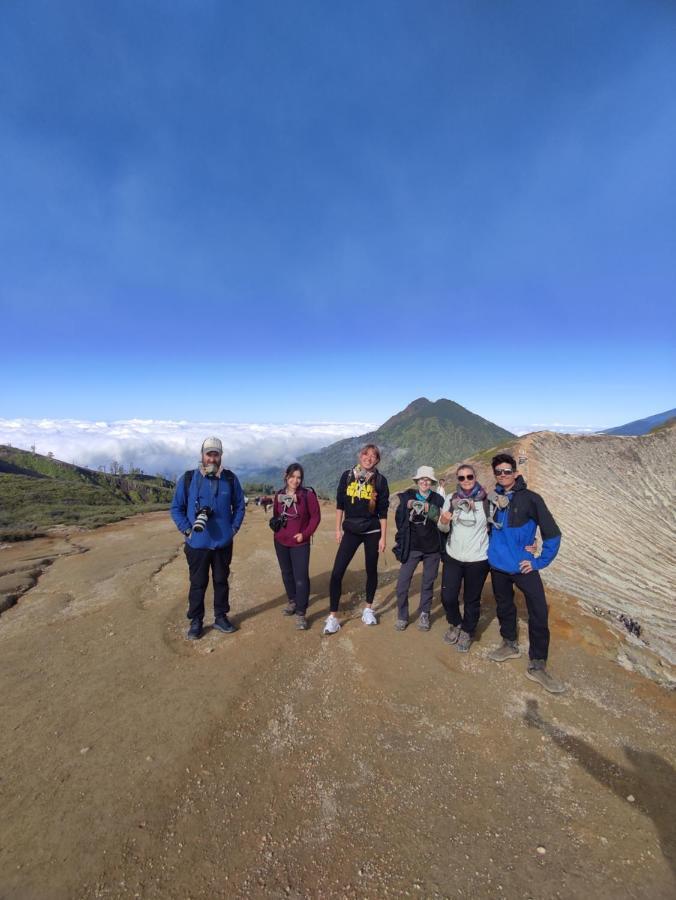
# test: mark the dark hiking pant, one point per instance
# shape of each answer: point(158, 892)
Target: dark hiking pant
point(430, 563)
point(347, 548)
point(538, 614)
point(199, 564)
point(472, 576)
point(294, 564)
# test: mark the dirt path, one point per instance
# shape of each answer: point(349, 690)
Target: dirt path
point(273, 763)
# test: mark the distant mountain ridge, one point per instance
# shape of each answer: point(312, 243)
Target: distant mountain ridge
point(424, 433)
point(642, 426)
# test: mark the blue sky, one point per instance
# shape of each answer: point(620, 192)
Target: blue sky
point(305, 211)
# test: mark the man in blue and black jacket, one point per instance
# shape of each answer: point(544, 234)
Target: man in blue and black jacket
point(515, 515)
point(208, 508)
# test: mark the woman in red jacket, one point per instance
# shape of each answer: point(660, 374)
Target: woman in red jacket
point(295, 518)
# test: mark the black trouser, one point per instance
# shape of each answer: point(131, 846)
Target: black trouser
point(430, 563)
point(472, 576)
point(199, 563)
point(538, 614)
point(294, 563)
point(346, 550)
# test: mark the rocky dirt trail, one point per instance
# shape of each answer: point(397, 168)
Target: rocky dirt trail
point(272, 763)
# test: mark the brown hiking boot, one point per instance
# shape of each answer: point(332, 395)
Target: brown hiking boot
point(506, 650)
point(537, 671)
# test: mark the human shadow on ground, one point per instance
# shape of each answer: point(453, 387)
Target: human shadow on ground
point(650, 779)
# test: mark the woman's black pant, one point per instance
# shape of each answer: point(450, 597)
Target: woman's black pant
point(347, 548)
point(472, 576)
point(294, 564)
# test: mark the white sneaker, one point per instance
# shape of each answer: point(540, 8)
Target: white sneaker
point(331, 626)
point(368, 617)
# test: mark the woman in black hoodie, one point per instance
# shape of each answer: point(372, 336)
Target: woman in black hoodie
point(362, 501)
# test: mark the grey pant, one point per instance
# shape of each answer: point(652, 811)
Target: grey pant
point(430, 563)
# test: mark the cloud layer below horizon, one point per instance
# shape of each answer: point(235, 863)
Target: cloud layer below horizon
point(169, 447)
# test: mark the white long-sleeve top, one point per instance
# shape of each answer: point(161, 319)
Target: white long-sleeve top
point(468, 537)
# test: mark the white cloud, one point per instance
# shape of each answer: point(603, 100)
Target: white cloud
point(171, 447)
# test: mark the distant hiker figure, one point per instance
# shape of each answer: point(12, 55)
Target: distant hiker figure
point(362, 502)
point(515, 514)
point(295, 518)
point(418, 541)
point(208, 508)
point(465, 559)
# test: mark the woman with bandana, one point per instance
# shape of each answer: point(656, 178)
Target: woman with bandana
point(362, 502)
point(296, 515)
point(464, 519)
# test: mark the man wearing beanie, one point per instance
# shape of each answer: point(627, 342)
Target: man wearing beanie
point(208, 508)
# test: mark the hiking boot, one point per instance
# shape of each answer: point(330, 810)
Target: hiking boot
point(368, 617)
point(301, 622)
point(289, 609)
point(537, 671)
point(223, 623)
point(463, 643)
point(196, 630)
point(332, 625)
point(401, 625)
point(451, 636)
point(506, 650)
point(424, 621)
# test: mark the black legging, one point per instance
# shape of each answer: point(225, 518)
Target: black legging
point(346, 550)
point(294, 563)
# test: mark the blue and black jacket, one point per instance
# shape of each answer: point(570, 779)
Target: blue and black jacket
point(526, 511)
point(225, 497)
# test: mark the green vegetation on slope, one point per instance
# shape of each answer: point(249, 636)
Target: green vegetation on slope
point(424, 433)
point(38, 492)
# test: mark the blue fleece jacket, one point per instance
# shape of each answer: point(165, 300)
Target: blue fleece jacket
point(527, 510)
point(227, 505)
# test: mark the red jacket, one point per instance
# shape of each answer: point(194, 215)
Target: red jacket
point(304, 517)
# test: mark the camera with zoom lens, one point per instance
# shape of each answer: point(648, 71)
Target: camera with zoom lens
point(277, 522)
point(204, 513)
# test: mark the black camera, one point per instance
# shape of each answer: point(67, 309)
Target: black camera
point(204, 513)
point(277, 522)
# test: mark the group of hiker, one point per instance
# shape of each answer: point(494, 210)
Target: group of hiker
point(471, 531)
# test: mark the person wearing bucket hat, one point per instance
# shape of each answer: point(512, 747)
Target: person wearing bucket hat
point(208, 509)
point(418, 541)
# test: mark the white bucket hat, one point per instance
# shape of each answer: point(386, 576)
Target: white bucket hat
point(212, 444)
point(425, 472)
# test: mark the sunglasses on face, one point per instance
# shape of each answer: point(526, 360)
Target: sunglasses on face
point(500, 472)
point(465, 477)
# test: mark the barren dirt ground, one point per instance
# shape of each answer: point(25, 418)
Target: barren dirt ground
point(273, 763)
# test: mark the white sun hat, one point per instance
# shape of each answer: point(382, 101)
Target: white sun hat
point(425, 472)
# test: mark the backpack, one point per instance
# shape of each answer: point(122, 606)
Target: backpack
point(229, 477)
